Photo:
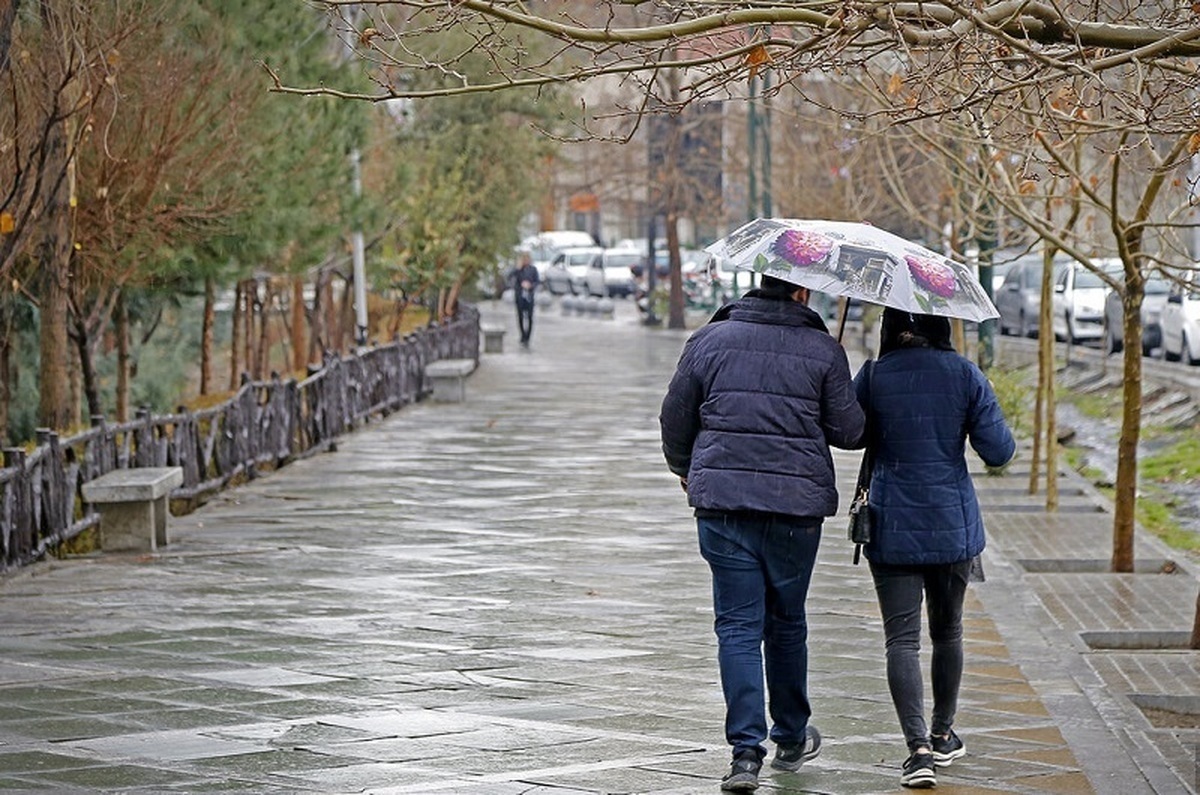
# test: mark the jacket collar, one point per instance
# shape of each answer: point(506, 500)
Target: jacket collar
point(752, 308)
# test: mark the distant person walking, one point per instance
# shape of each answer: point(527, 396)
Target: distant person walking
point(757, 398)
point(525, 279)
point(923, 403)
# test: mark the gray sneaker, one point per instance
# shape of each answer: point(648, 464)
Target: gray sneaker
point(743, 773)
point(947, 749)
point(791, 757)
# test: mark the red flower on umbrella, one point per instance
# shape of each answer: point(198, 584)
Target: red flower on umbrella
point(801, 248)
point(935, 276)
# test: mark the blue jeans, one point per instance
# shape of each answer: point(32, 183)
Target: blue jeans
point(761, 567)
point(900, 589)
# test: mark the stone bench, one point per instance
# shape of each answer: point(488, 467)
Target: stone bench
point(133, 506)
point(493, 339)
point(448, 377)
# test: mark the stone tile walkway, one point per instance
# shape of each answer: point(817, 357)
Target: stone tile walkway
point(504, 596)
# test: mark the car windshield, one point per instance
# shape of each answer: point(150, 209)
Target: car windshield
point(1085, 279)
point(622, 260)
point(1157, 287)
point(579, 259)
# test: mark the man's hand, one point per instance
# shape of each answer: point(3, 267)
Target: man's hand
point(683, 484)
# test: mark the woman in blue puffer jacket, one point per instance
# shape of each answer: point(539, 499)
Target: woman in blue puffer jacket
point(924, 402)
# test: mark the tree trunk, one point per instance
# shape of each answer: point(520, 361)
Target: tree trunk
point(249, 312)
point(317, 325)
point(206, 335)
point(87, 368)
point(1046, 346)
point(54, 252)
point(1039, 420)
point(452, 298)
point(6, 346)
point(345, 316)
point(235, 341)
point(124, 369)
point(299, 345)
point(1125, 514)
point(1195, 644)
point(675, 315)
point(8, 15)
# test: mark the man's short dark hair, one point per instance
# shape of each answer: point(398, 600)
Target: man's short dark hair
point(772, 286)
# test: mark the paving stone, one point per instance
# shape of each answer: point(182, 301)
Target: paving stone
point(505, 596)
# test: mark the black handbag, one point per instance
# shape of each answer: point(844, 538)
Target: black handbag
point(860, 527)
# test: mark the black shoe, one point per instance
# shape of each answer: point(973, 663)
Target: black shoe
point(947, 749)
point(790, 757)
point(743, 773)
point(919, 771)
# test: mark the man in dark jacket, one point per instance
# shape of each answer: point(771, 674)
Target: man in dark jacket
point(758, 397)
point(525, 279)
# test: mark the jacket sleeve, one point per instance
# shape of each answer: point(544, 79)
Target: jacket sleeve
point(842, 418)
point(989, 433)
point(679, 419)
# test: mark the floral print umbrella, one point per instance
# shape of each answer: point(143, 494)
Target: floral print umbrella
point(857, 261)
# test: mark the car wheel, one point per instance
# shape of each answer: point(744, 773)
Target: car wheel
point(1167, 355)
point(1111, 343)
point(1185, 350)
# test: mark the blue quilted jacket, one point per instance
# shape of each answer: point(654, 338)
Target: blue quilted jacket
point(757, 398)
point(924, 404)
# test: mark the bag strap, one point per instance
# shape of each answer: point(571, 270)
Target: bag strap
point(867, 465)
point(868, 457)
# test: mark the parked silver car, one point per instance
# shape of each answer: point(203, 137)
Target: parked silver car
point(1152, 306)
point(1181, 321)
point(567, 272)
point(1078, 299)
point(610, 272)
point(1020, 295)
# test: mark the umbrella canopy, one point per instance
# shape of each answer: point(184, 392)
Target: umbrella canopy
point(857, 261)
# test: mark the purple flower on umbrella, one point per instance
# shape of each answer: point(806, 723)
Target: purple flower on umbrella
point(933, 275)
point(801, 248)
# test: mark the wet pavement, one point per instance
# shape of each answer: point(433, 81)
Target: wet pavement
point(504, 596)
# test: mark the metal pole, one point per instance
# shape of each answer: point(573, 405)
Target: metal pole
point(1196, 212)
point(359, 260)
point(765, 131)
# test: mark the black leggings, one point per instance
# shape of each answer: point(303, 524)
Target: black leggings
point(900, 590)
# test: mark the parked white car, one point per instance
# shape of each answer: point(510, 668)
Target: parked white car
point(1181, 321)
point(1078, 300)
point(567, 272)
point(610, 272)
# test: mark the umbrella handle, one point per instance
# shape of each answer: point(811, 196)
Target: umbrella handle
point(845, 302)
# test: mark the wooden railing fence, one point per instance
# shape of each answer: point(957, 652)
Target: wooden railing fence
point(265, 424)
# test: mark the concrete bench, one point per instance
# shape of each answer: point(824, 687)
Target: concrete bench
point(133, 506)
point(493, 339)
point(449, 379)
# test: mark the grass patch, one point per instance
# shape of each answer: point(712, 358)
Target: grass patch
point(1104, 405)
point(1155, 513)
point(1014, 395)
point(1179, 463)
